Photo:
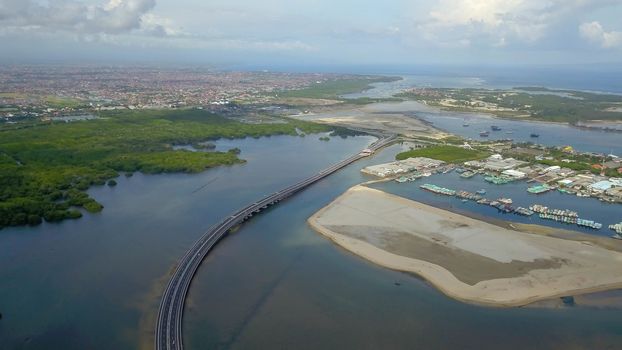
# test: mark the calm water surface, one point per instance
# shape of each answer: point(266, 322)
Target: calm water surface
point(95, 283)
point(551, 134)
point(277, 284)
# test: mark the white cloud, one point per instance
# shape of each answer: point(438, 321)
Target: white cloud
point(112, 17)
point(499, 23)
point(594, 32)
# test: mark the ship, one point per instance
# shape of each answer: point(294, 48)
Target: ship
point(534, 135)
point(495, 128)
point(465, 123)
point(484, 134)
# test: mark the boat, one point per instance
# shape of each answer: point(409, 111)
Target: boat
point(538, 189)
point(505, 200)
point(484, 134)
point(524, 211)
point(465, 124)
point(495, 128)
point(467, 174)
point(538, 208)
point(438, 189)
point(509, 132)
point(589, 224)
point(482, 191)
point(534, 135)
point(498, 180)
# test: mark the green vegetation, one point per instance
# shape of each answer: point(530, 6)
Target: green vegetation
point(535, 103)
point(448, 154)
point(46, 168)
point(333, 89)
point(62, 102)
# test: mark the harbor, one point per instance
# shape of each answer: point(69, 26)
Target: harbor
point(483, 198)
point(504, 205)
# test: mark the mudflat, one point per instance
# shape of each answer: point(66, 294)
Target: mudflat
point(468, 259)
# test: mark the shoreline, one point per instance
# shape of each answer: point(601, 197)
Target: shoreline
point(499, 292)
point(524, 118)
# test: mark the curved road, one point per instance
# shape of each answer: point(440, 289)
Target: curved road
point(168, 332)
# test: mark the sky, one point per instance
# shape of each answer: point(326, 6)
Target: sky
point(313, 32)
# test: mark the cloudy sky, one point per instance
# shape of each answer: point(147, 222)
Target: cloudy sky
point(365, 32)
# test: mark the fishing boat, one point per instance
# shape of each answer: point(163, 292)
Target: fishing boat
point(538, 189)
point(505, 200)
point(589, 224)
point(524, 211)
point(617, 228)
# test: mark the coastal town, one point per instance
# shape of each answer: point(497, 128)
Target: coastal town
point(68, 93)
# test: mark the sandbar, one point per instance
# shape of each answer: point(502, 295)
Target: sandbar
point(467, 259)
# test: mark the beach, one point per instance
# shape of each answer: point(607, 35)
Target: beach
point(468, 259)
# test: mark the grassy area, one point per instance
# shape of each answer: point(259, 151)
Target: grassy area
point(62, 102)
point(46, 168)
point(448, 154)
point(333, 89)
point(536, 103)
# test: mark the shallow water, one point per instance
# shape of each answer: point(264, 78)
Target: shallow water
point(551, 134)
point(92, 283)
point(95, 283)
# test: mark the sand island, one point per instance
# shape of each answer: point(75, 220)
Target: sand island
point(467, 259)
